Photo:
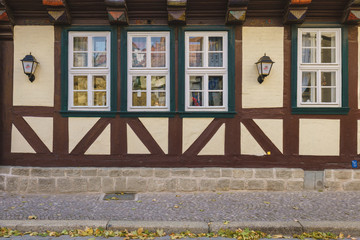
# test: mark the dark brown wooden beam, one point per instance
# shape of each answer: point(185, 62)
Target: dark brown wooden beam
point(58, 11)
point(295, 11)
point(176, 11)
point(351, 14)
point(236, 11)
point(117, 12)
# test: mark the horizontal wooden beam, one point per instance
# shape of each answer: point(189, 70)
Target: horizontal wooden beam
point(117, 12)
point(236, 11)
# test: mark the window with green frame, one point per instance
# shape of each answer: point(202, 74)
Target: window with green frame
point(88, 71)
point(206, 71)
point(319, 69)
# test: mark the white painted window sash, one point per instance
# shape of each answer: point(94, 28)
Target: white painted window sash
point(319, 67)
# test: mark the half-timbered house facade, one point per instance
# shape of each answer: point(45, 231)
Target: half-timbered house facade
point(163, 95)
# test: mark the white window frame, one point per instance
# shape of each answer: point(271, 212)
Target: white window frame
point(205, 71)
point(148, 71)
point(88, 71)
point(319, 67)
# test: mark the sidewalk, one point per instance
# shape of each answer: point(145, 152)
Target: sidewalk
point(271, 212)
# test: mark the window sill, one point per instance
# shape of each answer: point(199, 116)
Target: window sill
point(207, 114)
point(323, 111)
point(88, 113)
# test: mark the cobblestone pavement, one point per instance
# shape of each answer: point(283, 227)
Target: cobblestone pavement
point(245, 206)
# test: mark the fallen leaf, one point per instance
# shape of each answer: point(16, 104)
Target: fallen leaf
point(341, 235)
point(267, 202)
point(154, 200)
point(176, 206)
point(226, 222)
point(139, 201)
point(277, 236)
point(178, 196)
point(296, 208)
point(32, 217)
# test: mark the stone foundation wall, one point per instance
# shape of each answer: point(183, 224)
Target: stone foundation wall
point(110, 180)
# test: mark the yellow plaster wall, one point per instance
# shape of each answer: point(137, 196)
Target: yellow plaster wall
point(39, 40)
point(216, 145)
point(273, 129)
point(43, 127)
point(359, 68)
point(192, 128)
point(159, 130)
point(256, 42)
point(19, 143)
point(358, 137)
point(101, 146)
point(134, 144)
point(78, 127)
point(319, 137)
point(249, 146)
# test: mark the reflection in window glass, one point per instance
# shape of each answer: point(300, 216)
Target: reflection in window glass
point(328, 95)
point(99, 44)
point(139, 59)
point(99, 59)
point(215, 44)
point(215, 82)
point(139, 99)
point(99, 82)
point(158, 82)
point(158, 44)
point(196, 43)
point(99, 98)
point(139, 44)
point(80, 59)
point(196, 99)
point(139, 82)
point(196, 82)
point(80, 43)
point(158, 59)
point(196, 59)
point(215, 99)
point(80, 83)
point(80, 99)
point(328, 79)
point(158, 99)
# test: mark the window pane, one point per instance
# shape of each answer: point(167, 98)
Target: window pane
point(99, 44)
point(80, 43)
point(139, 99)
point(80, 99)
point(215, 99)
point(196, 99)
point(309, 79)
point(139, 44)
point(139, 59)
point(328, 39)
point(139, 82)
point(99, 82)
point(196, 82)
point(158, 44)
point(99, 98)
point(196, 59)
point(328, 95)
point(215, 82)
point(328, 55)
point(99, 59)
point(158, 59)
point(80, 82)
point(158, 99)
point(309, 39)
point(215, 59)
point(309, 95)
point(215, 44)
point(309, 55)
point(196, 43)
point(328, 79)
point(158, 82)
point(80, 59)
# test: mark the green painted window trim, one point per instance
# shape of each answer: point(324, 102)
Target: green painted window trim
point(344, 109)
point(123, 37)
point(231, 72)
point(64, 72)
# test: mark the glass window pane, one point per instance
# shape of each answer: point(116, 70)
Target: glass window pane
point(308, 95)
point(328, 79)
point(158, 59)
point(328, 39)
point(328, 95)
point(139, 99)
point(139, 82)
point(215, 44)
point(80, 82)
point(196, 99)
point(309, 79)
point(215, 99)
point(158, 82)
point(196, 82)
point(196, 59)
point(309, 55)
point(328, 55)
point(99, 59)
point(80, 99)
point(80, 59)
point(195, 43)
point(158, 44)
point(139, 59)
point(309, 39)
point(99, 82)
point(99, 98)
point(215, 59)
point(215, 82)
point(99, 44)
point(80, 43)
point(158, 99)
point(139, 44)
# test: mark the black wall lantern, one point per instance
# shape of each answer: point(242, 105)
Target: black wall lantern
point(264, 67)
point(29, 65)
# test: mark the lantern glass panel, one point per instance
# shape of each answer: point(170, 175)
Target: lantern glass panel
point(28, 66)
point(266, 67)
